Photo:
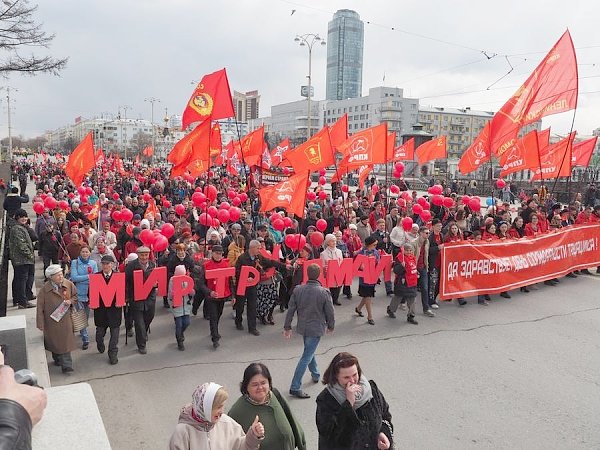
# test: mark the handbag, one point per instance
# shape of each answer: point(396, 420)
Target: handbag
point(78, 317)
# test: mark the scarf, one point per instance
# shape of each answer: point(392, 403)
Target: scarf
point(255, 403)
point(339, 393)
point(202, 403)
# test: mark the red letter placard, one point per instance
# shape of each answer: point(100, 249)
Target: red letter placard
point(179, 290)
point(318, 262)
point(99, 289)
point(245, 280)
point(340, 273)
point(222, 276)
point(141, 290)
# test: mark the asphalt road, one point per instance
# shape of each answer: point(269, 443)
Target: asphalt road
point(519, 374)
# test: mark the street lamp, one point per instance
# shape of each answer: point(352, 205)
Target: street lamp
point(152, 100)
point(308, 40)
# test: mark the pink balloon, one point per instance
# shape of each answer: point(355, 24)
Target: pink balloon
point(117, 216)
point(166, 203)
point(234, 214)
point(500, 183)
point(322, 195)
point(205, 219)
point(322, 181)
point(38, 207)
point(448, 202)
point(417, 209)
point(231, 194)
point(278, 225)
point(64, 205)
point(394, 189)
point(421, 201)
point(475, 204)
point(167, 230)
point(407, 223)
point(180, 209)
point(236, 201)
point(399, 167)
point(322, 172)
point(211, 192)
point(147, 237)
point(345, 188)
point(437, 200)
point(224, 205)
point(198, 198)
point(311, 196)
point(317, 239)
point(160, 244)
point(50, 202)
point(425, 215)
point(401, 203)
point(243, 197)
point(287, 222)
point(212, 211)
point(126, 215)
point(223, 215)
point(321, 225)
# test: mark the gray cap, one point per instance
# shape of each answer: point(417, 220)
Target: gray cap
point(143, 249)
point(108, 259)
point(236, 226)
point(52, 269)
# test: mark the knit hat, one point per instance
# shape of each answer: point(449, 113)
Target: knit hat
point(52, 269)
point(179, 270)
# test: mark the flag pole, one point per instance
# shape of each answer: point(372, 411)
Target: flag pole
point(570, 143)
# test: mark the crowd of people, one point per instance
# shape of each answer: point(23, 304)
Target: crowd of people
point(139, 219)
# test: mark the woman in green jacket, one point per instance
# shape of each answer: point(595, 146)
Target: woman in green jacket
point(259, 398)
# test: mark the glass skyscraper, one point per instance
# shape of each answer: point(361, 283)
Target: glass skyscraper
point(345, 41)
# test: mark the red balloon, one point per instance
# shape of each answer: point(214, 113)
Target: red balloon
point(322, 181)
point(394, 189)
point(116, 216)
point(147, 197)
point(399, 167)
point(321, 225)
point(275, 216)
point(375, 189)
point(426, 206)
point(180, 209)
point(38, 207)
point(205, 219)
point(211, 173)
point(223, 215)
point(322, 172)
point(401, 203)
point(50, 202)
point(345, 188)
point(71, 195)
point(236, 201)
point(317, 239)
point(417, 209)
point(322, 195)
point(160, 244)
point(437, 189)
point(81, 190)
point(211, 192)
point(465, 199)
point(198, 189)
point(147, 237)
point(212, 211)
point(136, 188)
point(289, 240)
point(64, 205)
point(500, 183)
point(288, 222)
point(421, 201)
point(407, 223)
point(224, 205)
point(203, 206)
point(425, 216)
point(448, 202)
point(43, 196)
point(231, 194)
point(216, 223)
point(278, 224)
point(243, 197)
point(166, 203)
point(198, 198)
point(83, 199)
point(89, 191)
point(311, 196)
point(115, 196)
point(396, 174)
point(297, 241)
point(475, 204)
point(126, 215)
point(406, 196)
point(234, 214)
point(167, 230)
point(437, 200)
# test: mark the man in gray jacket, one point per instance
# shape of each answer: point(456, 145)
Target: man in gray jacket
point(315, 317)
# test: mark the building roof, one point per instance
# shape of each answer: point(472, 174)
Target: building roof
point(465, 112)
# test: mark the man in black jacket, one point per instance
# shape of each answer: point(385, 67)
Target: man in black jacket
point(254, 259)
point(13, 201)
point(108, 317)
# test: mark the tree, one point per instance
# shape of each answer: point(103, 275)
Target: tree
point(69, 145)
point(19, 30)
point(140, 141)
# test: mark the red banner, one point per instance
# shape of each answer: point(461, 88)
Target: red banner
point(477, 268)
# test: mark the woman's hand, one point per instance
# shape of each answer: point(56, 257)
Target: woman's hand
point(257, 428)
point(383, 443)
point(351, 390)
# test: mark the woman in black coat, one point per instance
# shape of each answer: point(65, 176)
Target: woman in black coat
point(351, 411)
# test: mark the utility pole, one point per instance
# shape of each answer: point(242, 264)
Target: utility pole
point(8, 107)
point(152, 100)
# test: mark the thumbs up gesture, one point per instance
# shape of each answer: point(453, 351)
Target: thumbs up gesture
point(257, 428)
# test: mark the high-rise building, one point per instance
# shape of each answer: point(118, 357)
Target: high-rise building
point(345, 42)
point(246, 105)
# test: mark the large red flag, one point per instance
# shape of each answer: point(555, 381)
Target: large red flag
point(583, 151)
point(404, 152)
point(477, 154)
point(279, 152)
point(314, 154)
point(555, 160)
point(525, 153)
point(289, 195)
point(234, 159)
point(432, 150)
point(81, 160)
point(338, 132)
point(366, 147)
point(550, 89)
point(210, 99)
point(190, 149)
point(265, 160)
point(253, 145)
point(363, 174)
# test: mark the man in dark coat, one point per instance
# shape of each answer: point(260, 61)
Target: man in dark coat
point(22, 257)
point(142, 312)
point(13, 201)
point(108, 316)
point(254, 259)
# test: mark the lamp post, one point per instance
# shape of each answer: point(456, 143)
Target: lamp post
point(152, 100)
point(308, 40)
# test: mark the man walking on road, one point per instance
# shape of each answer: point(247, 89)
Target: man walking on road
point(315, 315)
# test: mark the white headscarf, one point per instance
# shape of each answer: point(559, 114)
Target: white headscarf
point(202, 400)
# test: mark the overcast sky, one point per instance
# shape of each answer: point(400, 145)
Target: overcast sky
point(121, 52)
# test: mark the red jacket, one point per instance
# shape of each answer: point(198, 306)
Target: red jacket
point(212, 283)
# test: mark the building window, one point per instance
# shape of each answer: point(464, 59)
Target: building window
point(362, 107)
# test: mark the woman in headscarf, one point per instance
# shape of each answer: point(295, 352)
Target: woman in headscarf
point(351, 411)
point(260, 398)
point(58, 335)
point(204, 425)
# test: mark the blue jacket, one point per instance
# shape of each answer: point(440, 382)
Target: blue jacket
point(80, 275)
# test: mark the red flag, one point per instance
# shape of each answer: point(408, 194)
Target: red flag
point(432, 150)
point(210, 99)
point(118, 165)
point(477, 154)
point(555, 160)
point(583, 151)
point(525, 153)
point(152, 210)
point(266, 162)
point(234, 160)
point(404, 152)
point(289, 195)
point(81, 160)
point(278, 153)
point(363, 174)
point(314, 154)
point(366, 147)
point(252, 146)
point(550, 89)
point(338, 132)
point(191, 148)
point(99, 155)
point(216, 146)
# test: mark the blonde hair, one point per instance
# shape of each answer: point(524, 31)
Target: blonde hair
point(220, 398)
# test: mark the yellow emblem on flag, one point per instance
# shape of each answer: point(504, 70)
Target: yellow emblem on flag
point(201, 102)
point(313, 153)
